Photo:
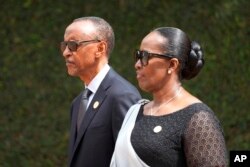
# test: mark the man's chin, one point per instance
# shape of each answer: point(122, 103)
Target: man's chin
point(72, 73)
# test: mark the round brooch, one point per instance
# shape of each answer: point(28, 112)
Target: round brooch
point(157, 129)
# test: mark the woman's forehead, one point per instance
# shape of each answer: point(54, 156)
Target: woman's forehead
point(153, 40)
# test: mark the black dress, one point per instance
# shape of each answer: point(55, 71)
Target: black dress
point(189, 137)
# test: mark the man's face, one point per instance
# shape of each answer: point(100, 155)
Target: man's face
point(80, 62)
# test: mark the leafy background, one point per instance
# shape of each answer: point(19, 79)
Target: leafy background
point(36, 91)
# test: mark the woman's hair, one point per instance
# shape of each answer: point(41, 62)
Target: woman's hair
point(188, 53)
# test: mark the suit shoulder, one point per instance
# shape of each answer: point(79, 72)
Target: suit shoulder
point(120, 81)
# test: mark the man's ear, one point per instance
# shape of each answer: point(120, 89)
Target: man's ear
point(101, 49)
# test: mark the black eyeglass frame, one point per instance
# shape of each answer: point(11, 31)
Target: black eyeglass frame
point(73, 45)
point(144, 56)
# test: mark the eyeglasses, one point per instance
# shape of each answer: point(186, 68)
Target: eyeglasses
point(73, 45)
point(144, 56)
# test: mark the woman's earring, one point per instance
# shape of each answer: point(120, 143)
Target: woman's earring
point(169, 71)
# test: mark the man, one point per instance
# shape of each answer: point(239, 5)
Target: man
point(87, 45)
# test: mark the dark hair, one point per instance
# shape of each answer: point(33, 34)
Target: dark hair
point(103, 31)
point(188, 53)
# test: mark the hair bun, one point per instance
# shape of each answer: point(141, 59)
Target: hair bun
point(195, 61)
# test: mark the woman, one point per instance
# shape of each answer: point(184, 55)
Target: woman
point(175, 128)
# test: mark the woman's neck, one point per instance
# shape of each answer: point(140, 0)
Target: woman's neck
point(166, 93)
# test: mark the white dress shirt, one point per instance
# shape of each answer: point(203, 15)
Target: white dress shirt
point(96, 81)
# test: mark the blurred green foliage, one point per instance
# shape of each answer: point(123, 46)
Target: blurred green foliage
point(36, 91)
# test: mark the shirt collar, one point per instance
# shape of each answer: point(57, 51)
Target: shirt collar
point(96, 81)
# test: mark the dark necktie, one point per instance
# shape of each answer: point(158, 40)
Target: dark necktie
point(83, 106)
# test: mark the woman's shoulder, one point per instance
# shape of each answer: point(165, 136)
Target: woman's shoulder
point(198, 106)
point(193, 111)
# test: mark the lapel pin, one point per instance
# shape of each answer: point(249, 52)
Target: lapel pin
point(157, 129)
point(96, 104)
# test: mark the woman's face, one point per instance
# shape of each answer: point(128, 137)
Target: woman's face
point(152, 76)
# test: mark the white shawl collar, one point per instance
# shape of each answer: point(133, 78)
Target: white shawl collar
point(124, 155)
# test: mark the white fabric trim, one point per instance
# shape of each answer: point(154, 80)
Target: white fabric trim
point(124, 155)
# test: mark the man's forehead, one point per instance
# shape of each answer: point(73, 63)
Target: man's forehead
point(85, 27)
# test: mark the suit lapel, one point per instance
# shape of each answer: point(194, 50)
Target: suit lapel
point(89, 115)
point(93, 108)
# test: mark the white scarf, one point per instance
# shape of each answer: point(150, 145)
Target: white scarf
point(124, 155)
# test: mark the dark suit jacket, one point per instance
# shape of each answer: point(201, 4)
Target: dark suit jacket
point(94, 145)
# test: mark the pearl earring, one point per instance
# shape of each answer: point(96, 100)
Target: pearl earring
point(169, 71)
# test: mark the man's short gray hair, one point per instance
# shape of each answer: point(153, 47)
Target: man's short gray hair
point(103, 31)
